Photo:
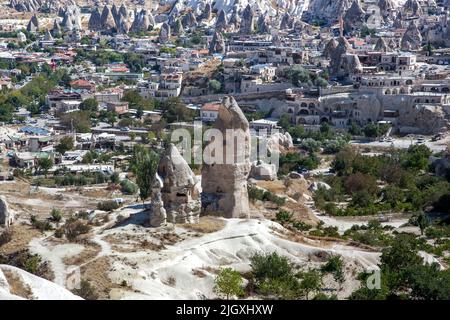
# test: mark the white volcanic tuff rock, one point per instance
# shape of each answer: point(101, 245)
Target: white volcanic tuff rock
point(222, 21)
point(224, 181)
point(158, 214)
point(71, 19)
point(268, 7)
point(329, 10)
point(95, 20)
point(438, 33)
point(36, 5)
point(392, 44)
point(180, 193)
point(343, 61)
point(301, 27)
point(33, 24)
point(235, 18)
point(263, 24)
point(318, 185)
point(6, 214)
point(207, 12)
point(350, 64)
point(114, 12)
point(48, 36)
point(329, 48)
point(399, 21)
point(107, 20)
point(177, 29)
point(217, 44)
point(123, 10)
point(248, 21)
point(287, 22)
point(412, 38)
point(343, 47)
point(264, 171)
point(354, 18)
point(189, 20)
point(387, 9)
point(121, 18)
point(39, 288)
point(56, 29)
point(232, 246)
point(412, 8)
point(26, 5)
point(142, 21)
point(278, 142)
point(164, 33)
point(382, 46)
point(429, 119)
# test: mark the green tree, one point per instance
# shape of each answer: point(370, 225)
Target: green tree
point(428, 282)
point(135, 101)
point(417, 157)
point(89, 104)
point(285, 121)
point(298, 75)
point(371, 130)
point(65, 144)
point(144, 164)
point(228, 283)
point(215, 85)
point(44, 164)
point(80, 121)
point(274, 276)
point(335, 266)
point(175, 110)
point(423, 222)
point(311, 282)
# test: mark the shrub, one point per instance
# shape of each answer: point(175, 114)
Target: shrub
point(255, 193)
point(270, 266)
point(86, 291)
point(23, 259)
point(436, 232)
point(335, 266)
point(32, 264)
point(40, 225)
point(5, 236)
point(109, 205)
point(283, 216)
point(59, 233)
point(128, 187)
point(73, 229)
point(300, 225)
point(228, 283)
point(275, 276)
point(56, 215)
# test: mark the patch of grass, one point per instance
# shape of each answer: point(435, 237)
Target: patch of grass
point(205, 225)
point(16, 285)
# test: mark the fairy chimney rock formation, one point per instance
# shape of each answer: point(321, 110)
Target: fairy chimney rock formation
point(382, 46)
point(6, 215)
point(354, 17)
point(412, 38)
point(180, 188)
point(217, 44)
point(227, 164)
point(164, 33)
point(222, 21)
point(158, 215)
